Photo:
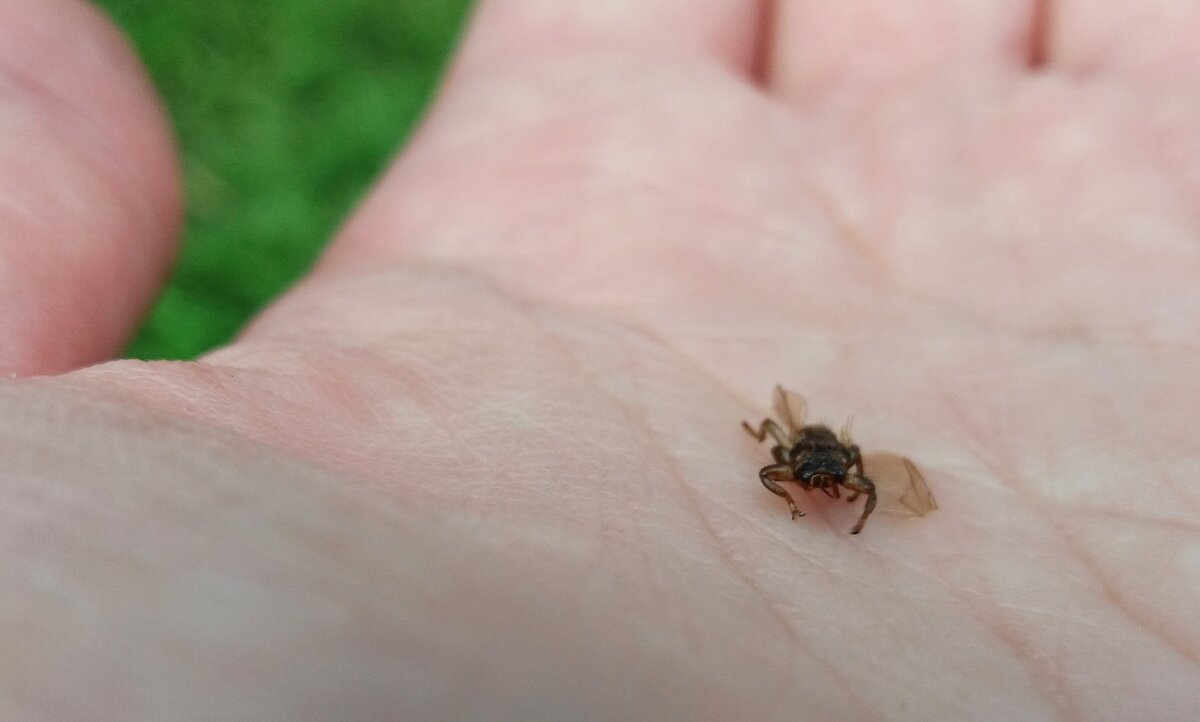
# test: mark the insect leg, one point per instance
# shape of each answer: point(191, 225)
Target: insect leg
point(856, 459)
point(856, 462)
point(866, 486)
point(768, 426)
point(780, 472)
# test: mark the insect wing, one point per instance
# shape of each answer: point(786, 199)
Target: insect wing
point(899, 485)
point(791, 408)
point(918, 499)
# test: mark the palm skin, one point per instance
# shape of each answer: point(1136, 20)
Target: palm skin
point(486, 461)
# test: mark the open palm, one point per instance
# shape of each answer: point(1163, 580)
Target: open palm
point(485, 462)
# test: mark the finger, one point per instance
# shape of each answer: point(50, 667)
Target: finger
point(551, 103)
point(508, 46)
point(1152, 42)
point(863, 48)
point(508, 33)
point(89, 201)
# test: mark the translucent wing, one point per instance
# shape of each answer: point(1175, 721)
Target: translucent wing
point(791, 408)
point(899, 485)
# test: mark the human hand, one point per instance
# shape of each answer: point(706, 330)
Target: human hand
point(523, 364)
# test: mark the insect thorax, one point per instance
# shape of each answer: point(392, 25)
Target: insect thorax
point(818, 453)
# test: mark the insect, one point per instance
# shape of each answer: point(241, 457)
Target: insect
point(813, 456)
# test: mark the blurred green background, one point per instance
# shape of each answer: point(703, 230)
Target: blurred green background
point(285, 110)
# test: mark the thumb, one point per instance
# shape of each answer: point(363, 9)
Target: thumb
point(89, 195)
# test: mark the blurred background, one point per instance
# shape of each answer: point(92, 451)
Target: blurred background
point(285, 110)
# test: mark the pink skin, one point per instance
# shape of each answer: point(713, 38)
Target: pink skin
point(486, 462)
point(89, 196)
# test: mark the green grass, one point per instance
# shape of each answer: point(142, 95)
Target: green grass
point(285, 111)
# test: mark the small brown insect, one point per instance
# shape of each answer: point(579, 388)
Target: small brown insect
point(816, 458)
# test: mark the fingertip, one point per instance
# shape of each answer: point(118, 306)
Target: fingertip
point(91, 196)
